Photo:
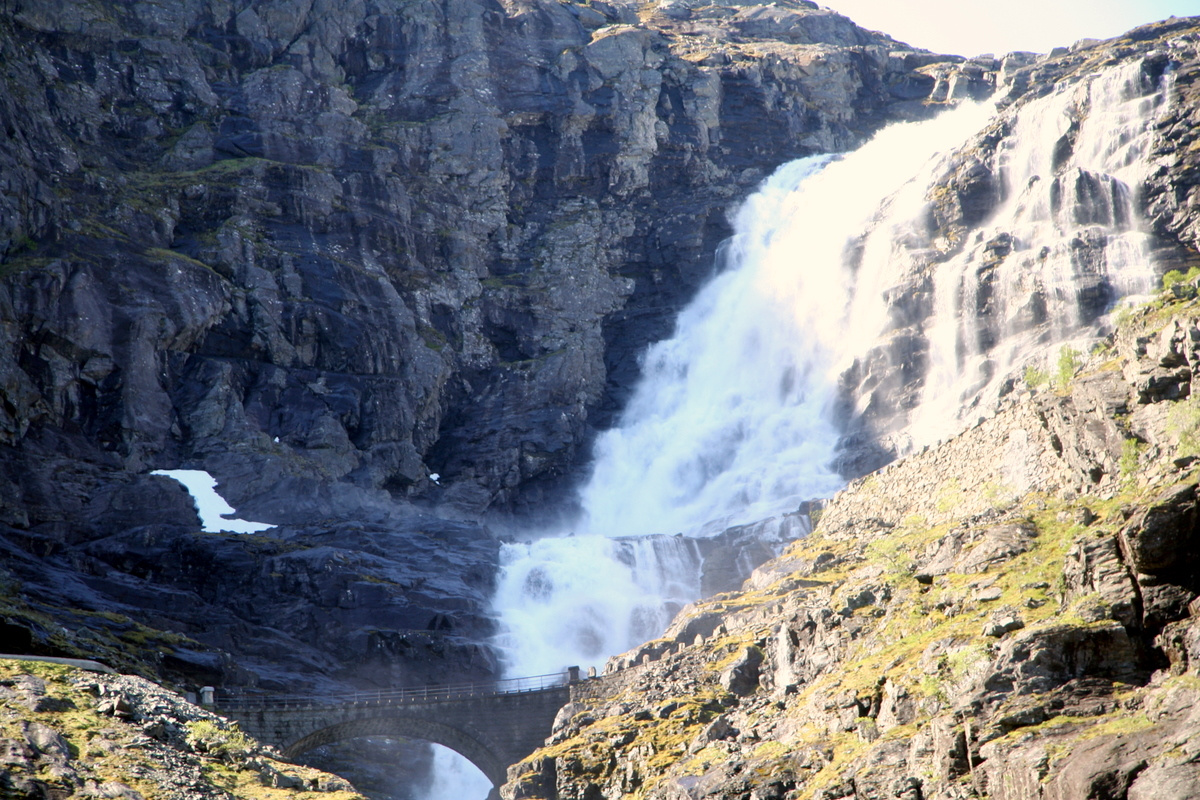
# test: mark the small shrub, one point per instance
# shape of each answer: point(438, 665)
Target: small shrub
point(1124, 316)
point(932, 685)
point(1131, 454)
point(894, 555)
point(1035, 377)
point(1069, 361)
point(964, 661)
point(1175, 276)
point(206, 736)
point(997, 494)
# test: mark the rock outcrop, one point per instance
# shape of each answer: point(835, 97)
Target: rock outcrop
point(1008, 615)
point(70, 733)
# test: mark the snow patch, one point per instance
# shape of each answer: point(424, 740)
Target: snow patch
point(213, 510)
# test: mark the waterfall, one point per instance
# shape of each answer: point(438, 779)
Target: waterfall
point(735, 419)
point(454, 777)
point(1064, 243)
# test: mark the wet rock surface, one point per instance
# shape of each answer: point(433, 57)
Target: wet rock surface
point(882, 388)
point(366, 244)
point(352, 604)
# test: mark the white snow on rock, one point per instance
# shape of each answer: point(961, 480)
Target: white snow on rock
point(213, 510)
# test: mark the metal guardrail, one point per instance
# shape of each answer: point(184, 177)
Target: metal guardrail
point(426, 694)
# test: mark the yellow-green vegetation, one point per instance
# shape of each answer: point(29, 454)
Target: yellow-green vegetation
point(1176, 276)
point(729, 649)
point(12, 265)
point(1131, 454)
point(669, 738)
point(845, 747)
point(1035, 376)
point(226, 741)
point(1069, 361)
point(1069, 729)
point(114, 745)
point(1151, 317)
point(663, 736)
point(113, 639)
point(942, 617)
point(896, 557)
point(166, 256)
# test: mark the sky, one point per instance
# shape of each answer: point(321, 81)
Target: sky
point(972, 27)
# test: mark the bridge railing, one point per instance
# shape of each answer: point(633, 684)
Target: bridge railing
point(424, 694)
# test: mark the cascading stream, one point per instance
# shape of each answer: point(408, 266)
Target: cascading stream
point(733, 421)
point(1060, 248)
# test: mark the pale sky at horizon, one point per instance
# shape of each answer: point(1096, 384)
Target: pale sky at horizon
point(971, 27)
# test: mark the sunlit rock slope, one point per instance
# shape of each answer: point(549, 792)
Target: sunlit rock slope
point(1008, 615)
point(71, 733)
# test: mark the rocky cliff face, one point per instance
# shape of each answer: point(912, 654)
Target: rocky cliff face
point(1009, 615)
point(329, 250)
point(306, 243)
point(1111, 166)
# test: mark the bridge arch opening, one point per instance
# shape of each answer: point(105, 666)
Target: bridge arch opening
point(470, 747)
point(453, 777)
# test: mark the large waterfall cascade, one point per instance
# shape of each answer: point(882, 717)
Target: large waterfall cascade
point(733, 421)
point(734, 418)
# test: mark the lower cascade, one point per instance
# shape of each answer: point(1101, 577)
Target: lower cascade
point(740, 415)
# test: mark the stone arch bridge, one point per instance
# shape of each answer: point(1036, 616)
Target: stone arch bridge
point(491, 724)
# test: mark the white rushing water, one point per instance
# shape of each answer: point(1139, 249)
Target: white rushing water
point(454, 777)
point(1064, 243)
point(733, 419)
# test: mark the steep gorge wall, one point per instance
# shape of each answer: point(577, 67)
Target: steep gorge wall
point(325, 250)
point(299, 243)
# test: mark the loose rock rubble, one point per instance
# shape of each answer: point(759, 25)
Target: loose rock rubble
point(69, 733)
